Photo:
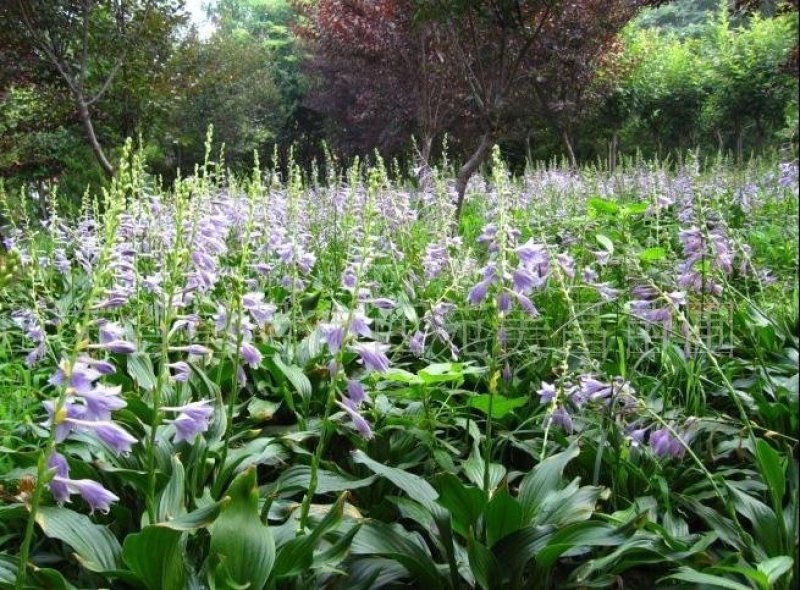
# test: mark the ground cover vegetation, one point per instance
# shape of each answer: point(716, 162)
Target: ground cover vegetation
point(270, 383)
point(399, 294)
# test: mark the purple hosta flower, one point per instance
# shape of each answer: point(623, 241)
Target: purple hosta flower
point(101, 401)
point(383, 303)
point(101, 366)
point(356, 393)
point(488, 235)
point(589, 275)
point(524, 281)
point(188, 323)
point(677, 298)
point(593, 390)
point(110, 332)
point(181, 371)
point(59, 420)
point(220, 319)
point(434, 261)
point(602, 257)
point(192, 349)
point(152, 283)
point(373, 355)
point(62, 263)
point(116, 346)
point(606, 291)
point(58, 488)
point(193, 418)
point(664, 443)
point(359, 422)
point(35, 355)
point(260, 312)
point(547, 392)
point(527, 305)
point(637, 434)
point(94, 494)
point(502, 337)
point(251, 355)
point(508, 374)
point(79, 378)
point(113, 435)
point(534, 256)
point(560, 417)
point(504, 302)
point(349, 279)
point(333, 368)
point(417, 343)
point(567, 264)
point(333, 334)
point(359, 325)
point(478, 292)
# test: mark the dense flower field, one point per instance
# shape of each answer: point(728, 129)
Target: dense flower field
point(281, 384)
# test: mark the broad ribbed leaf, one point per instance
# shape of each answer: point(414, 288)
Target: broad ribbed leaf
point(140, 368)
point(484, 566)
point(95, 547)
point(544, 479)
point(171, 503)
point(156, 556)
point(241, 543)
point(297, 555)
point(197, 519)
point(687, 574)
point(581, 534)
point(413, 485)
point(294, 375)
point(503, 516)
point(381, 540)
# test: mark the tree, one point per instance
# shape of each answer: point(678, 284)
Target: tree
point(87, 43)
point(511, 52)
point(382, 75)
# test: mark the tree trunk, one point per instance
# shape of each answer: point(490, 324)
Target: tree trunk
point(86, 119)
point(720, 141)
point(612, 151)
point(573, 162)
point(739, 143)
point(468, 169)
point(424, 172)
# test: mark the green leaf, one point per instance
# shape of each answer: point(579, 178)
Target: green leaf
point(503, 516)
point(413, 485)
point(298, 478)
point(294, 375)
point(197, 519)
point(544, 479)
point(140, 368)
point(687, 574)
point(395, 375)
point(772, 470)
point(156, 556)
point(484, 566)
point(603, 206)
point(379, 539)
point(171, 504)
point(441, 373)
point(297, 555)
point(775, 567)
point(652, 254)
point(95, 546)
point(262, 410)
point(501, 405)
point(574, 536)
point(241, 543)
point(465, 503)
point(635, 208)
point(605, 242)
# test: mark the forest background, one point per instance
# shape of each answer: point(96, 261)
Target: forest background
point(274, 76)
